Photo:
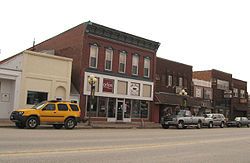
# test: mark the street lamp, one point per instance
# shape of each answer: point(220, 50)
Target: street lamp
point(184, 100)
point(92, 80)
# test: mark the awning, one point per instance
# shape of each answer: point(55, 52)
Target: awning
point(175, 99)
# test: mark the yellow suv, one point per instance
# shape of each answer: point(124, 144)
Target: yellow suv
point(56, 113)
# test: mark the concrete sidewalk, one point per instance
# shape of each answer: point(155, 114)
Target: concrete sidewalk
point(100, 125)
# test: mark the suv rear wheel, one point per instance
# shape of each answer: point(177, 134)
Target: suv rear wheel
point(57, 126)
point(70, 123)
point(180, 125)
point(32, 122)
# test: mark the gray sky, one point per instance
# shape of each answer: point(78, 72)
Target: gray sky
point(211, 34)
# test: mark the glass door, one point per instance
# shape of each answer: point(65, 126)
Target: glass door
point(120, 110)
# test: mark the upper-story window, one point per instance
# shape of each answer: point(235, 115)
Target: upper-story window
point(93, 59)
point(170, 80)
point(122, 62)
point(146, 67)
point(242, 93)
point(180, 81)
point(135, 62)
point(235, 92)
point(222, 84)
point(108, 59)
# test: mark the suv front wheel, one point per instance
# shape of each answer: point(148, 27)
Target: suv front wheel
point(70, 123)
point(32, 122)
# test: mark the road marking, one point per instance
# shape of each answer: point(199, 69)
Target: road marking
point(119, 148)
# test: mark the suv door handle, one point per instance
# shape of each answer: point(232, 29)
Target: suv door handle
point(54, 112)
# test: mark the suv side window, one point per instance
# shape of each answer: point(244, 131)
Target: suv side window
point(49, 107)
point(62, 107)
point(74, 107)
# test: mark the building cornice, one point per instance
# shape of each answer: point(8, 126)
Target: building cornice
point(109, 33)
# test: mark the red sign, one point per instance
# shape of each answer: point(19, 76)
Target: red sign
point(108, 85)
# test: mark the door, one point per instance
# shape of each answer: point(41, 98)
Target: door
point(48, 113)
point(119, 110)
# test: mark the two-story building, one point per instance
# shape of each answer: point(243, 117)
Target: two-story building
point(229, 95)
point(171, 81)
point(124, 65)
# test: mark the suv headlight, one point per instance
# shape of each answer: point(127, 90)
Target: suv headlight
point(20, 113)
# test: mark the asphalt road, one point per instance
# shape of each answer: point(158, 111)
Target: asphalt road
point(227, 145)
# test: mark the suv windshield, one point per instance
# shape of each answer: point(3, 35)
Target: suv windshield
point(209, 115)
point(39, 105)
point(237, 119)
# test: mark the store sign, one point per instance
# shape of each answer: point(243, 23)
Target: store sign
point(243, 101)
point(108, 85)
point(135, 89)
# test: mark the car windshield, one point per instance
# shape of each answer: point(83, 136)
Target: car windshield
point(39, 105)
point(181, 113)
point(237, 119)
point(209, 115)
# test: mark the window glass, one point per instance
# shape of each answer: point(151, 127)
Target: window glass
point(108, 59)
point(144, 109)
point(49, 107)
point(74, 107)
point(36, 97)
point(103, 107)
point(111, 107)
point(146, 90)
point(93, 56)
point(235, 92)
point(180, 81)
point(122, 62)
point(62, 107)
point(146, 67)
point(122, 87)
point(242, 93)
point(170, 80)
point(208, 93)
point(135, 109)
point(135, 89)
point(127, 111)
point(135, 61)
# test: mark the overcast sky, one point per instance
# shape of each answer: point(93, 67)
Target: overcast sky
point(211, 34)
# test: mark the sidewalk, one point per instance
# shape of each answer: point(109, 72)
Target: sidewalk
point(99, 125)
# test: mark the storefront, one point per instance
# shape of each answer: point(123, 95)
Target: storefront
point(118, 99)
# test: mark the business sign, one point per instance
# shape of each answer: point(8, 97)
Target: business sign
point(243, 101)
point(108, 85)
point(135, 89)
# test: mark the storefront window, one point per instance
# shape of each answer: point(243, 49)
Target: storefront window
point(135, 109)
point(93, 110)
point(103, 107)
point(144, 109)
point(111, 107)
point(127, 110)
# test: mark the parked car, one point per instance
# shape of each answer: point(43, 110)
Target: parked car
point(182, 119)
point(56, 113)
point(239, 122)
point(214, 119)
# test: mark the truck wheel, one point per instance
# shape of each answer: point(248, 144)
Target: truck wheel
point(180, 125)
point(199, 125)
point(165, 126)
point(210, 125)
point(32, 122)
point(20, 125)
point(57, 126)
point(70, 123)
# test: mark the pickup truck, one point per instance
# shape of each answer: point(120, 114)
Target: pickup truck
point(182, 119)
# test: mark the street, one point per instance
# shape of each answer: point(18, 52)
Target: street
point(125, 145)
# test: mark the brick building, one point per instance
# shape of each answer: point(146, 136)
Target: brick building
point(123, 64)
point(225, 88)
point(171, 78)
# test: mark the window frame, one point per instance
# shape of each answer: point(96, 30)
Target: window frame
point(137, 64)
point(180, 81)
point(144, 64)
point(62, 110)
point(96, 63)
point(170, 83)
point(123, 53)
point(111, 56)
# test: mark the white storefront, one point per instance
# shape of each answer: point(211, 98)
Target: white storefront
point(119, 99)
point(9, 91)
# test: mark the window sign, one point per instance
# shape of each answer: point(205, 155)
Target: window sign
point(108, 85)
point(135, 89)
